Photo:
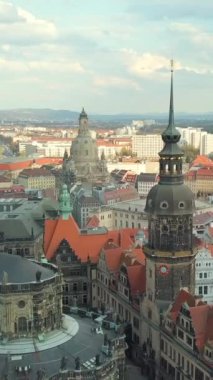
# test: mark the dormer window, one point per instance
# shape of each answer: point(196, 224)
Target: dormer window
point(209, 353)
point(164, 205)
point(181, 205)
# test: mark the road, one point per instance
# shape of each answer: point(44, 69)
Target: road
point(134, 373)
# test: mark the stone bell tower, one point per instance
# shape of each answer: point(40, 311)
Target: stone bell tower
point(169, 251)
point(170, 205)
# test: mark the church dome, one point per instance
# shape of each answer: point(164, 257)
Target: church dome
point(170, 200)
point(84, 149)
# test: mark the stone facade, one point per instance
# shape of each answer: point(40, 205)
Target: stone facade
point(83, 164)
point(77, 277)
point(31, 307)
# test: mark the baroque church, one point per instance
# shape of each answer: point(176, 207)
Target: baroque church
point(83, 164)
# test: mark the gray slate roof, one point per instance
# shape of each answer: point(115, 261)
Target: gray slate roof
point(19, 223)
point(21, 270)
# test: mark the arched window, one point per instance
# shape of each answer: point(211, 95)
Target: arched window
point(22, 325)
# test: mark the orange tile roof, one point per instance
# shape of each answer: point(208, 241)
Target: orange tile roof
point(93, 221)
point(202, 161)
point(13, 165)
point(113, 258)
point(137, 279)
point(199, 315)
point(134, 260)
point(84, 245)
point(182, 297)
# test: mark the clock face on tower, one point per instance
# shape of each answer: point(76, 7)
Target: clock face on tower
point(164, 270)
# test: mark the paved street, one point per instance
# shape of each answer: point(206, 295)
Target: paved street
point(84, 344)
point(134, 373)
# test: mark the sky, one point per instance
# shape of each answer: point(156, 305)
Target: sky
point(110, 56)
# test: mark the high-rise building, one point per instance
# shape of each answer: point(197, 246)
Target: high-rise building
point(147, 146)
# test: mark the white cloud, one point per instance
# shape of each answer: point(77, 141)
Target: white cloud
point(9, 13)
point(114, 81)
point(195, 34)
point(147, 64)
point(24, 27)
point(43, 66)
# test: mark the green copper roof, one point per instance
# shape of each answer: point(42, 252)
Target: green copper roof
point(65, 208)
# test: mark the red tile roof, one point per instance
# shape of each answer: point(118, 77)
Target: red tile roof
point(202, 161)
point(203, 218)
point(93, 221)
point(137, 279)
point(205, 172)
point(129, 177)
point(83, 244)
point(36, 172)
point(201, 316)
point(113, 258)
point(182, 297)
point(134, 261)
point(13, 165)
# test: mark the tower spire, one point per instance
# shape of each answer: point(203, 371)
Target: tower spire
point(171, 154)
point(83, 123)
point(171, 108)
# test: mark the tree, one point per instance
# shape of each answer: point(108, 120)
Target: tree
point(125, 151)
point(210, 155)
point(190, 152)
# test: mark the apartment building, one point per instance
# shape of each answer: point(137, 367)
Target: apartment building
point(147, 146)
point(206, 145)
point(145, 182)
point(192, 136)
point(200, 180)
point(198, 138)
point(48, 148)
point(128, 214)
point(36, 179)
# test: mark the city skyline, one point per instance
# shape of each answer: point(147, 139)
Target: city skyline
point(111, 57)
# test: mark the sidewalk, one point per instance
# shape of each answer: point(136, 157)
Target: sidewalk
point(51, 340)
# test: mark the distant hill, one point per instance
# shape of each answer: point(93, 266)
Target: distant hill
point(46, 115)
point(38, 115)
